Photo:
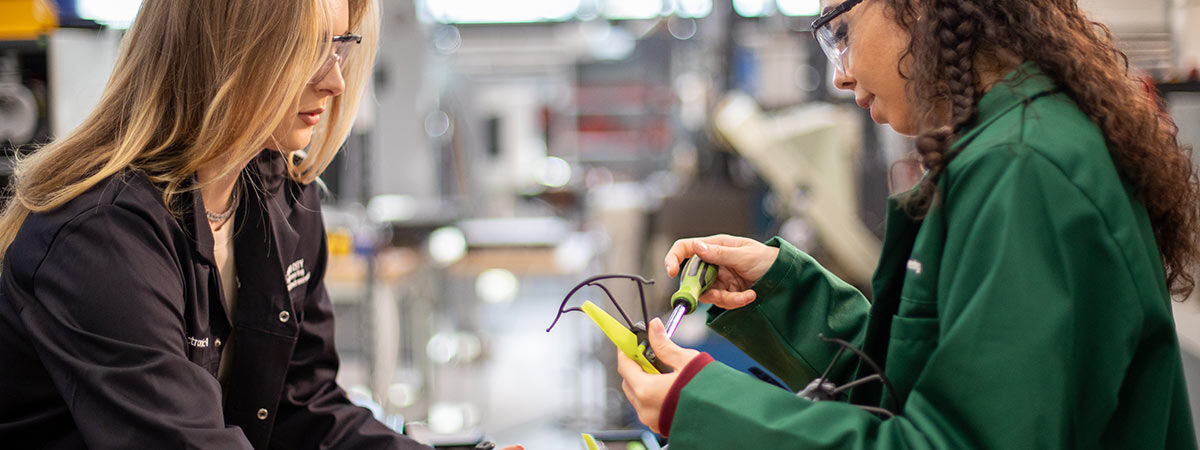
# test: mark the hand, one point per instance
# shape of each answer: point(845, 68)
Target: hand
point(648, 392)
point(743, 261)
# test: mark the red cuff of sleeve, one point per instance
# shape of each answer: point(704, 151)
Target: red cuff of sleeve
point(668, 408)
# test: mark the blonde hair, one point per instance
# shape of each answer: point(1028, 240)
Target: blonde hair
point(198, 81)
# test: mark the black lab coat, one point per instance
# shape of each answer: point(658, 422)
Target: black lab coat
point(112, 321)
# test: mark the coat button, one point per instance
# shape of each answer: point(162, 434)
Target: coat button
point(284, 316)
point(218, 342)
point(262, 414)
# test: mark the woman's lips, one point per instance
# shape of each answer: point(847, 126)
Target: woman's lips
point(312, 117)
point(868, 103)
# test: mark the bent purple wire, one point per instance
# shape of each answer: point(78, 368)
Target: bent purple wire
point(594, 281)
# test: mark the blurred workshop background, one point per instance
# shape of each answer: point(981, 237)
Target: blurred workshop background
point(511, 149)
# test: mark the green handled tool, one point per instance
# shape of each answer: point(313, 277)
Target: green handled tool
point(695, 277)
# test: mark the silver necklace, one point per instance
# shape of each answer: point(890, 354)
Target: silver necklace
point(221, 217)
point(218, 218)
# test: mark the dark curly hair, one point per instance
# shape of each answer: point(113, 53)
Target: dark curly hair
point(951, 38)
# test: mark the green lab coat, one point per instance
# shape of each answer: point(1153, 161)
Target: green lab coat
point(1029, 310)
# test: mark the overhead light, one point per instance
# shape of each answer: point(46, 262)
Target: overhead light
point(113, 13)
point(633, 9)
point(750, 8)
point(556, 172)
point(391, 208)
point(694, 9)
point(447, 245)
point(491, 11)
point(799, 7)
point(497, 286)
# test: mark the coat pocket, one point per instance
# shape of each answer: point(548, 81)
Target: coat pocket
point(913, 308)
point(913, 340)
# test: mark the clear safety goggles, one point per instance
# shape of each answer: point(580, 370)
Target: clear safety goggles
point(342, 45)
point(832, 43)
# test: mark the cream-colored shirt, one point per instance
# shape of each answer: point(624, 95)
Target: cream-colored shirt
point(223, 253)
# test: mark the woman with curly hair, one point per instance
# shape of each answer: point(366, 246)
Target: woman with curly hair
point(1023, 296)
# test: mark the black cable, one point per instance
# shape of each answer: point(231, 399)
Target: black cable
point(870, 362)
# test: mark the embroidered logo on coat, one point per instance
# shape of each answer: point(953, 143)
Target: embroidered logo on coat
point(296, 275)
point(914, 266)
point(198, 343)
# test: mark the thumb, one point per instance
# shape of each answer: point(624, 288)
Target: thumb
point(674, 355)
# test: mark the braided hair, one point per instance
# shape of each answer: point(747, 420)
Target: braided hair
point(955, 26)
point(950, 38)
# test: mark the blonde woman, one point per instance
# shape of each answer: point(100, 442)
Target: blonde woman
point(162, 272)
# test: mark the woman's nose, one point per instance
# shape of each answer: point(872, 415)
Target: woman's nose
point(333, 84)
point(843, 81)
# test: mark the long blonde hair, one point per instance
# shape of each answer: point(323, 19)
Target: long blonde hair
point(199, 81)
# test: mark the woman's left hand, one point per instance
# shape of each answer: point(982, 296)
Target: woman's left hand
point(648, 392)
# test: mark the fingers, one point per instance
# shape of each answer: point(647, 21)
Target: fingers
point(680, 250)
point(645, 416)
point(674, 355)
point(728, 299)
point(631, 395)
point(628, 369)
point(514, 447)
point(713, 249)
point(644, 391)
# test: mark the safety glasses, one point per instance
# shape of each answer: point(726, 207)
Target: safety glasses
point(834, 41)
point(342, 45)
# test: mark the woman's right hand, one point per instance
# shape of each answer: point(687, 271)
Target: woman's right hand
point(743, 261)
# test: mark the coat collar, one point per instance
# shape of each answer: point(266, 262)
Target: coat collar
point(197, 222)
point(265, 226)
point(265, 179)
point(271, 170)
point(1018, 87)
